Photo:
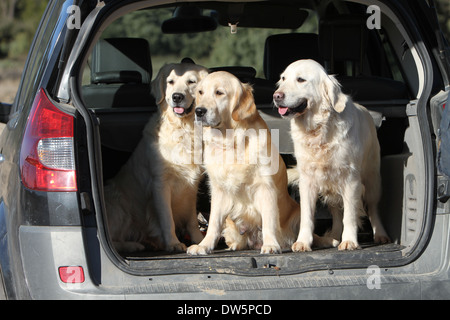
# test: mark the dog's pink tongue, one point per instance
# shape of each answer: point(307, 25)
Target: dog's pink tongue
point(282, 110)
point(178, 110)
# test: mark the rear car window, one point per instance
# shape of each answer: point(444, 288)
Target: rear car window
point(230, 45)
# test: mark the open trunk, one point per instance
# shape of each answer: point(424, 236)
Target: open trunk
point(382, 66)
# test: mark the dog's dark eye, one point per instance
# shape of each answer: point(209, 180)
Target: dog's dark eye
point(200, 92)
point(282, 78)
point(219, 93)
point(170, 81)
point(301, 80)
point(192, 81)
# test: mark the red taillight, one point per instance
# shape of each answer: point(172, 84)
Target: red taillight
point(47, 156)
point(71, 274)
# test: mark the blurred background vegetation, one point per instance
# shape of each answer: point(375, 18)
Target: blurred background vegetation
point(210, 49)
point(20, 18)
point(18, 22)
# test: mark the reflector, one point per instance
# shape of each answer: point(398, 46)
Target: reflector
point(71, 274)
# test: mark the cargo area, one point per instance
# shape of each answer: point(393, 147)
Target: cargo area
point(375, 66)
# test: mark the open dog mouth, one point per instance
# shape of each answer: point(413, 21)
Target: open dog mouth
point(181, 111)
point(298, 110)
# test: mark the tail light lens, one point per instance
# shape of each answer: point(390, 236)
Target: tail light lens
point(47, 158)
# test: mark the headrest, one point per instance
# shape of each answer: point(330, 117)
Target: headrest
point(121, 60)
point(117, 77)
point(244, 74)
point(343, 38)
point(283, 49)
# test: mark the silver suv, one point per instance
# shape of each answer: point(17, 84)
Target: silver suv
point(75, 105)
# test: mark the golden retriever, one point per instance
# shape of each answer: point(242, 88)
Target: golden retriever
point(337, 151)
point(247, 176)
point(155, 192)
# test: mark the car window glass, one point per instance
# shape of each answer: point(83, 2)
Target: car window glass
point(211, 49)
point(392, 61)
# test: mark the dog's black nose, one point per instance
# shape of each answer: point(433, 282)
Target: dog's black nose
point(200, 111)
point(177, 97)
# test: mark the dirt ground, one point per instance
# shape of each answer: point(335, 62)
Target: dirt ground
point(10, 73)
point(8, 89)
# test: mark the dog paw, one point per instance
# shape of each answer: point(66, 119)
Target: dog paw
point(325, 242)
point(381, 239)
point(197, 250)
point(270, 249)
point(334, 243)
point(176, 247)
point(233, 246)
point(348, 245)
point(301, 247)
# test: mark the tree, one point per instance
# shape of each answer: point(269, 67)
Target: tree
point(18, 22)
point(7, 9)
point(443, 9)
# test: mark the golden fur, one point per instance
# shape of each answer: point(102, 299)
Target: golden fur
point(337, 151)
point(248, 178)
point(155, 192)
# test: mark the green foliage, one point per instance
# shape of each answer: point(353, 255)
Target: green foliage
point(20, 45)
point(443, 8)
point(147, 24)
point(213, 48)
point(6, 36)
point(16, 33)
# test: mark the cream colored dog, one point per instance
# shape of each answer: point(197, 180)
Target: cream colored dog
point(337, 151)
point(248, 178)
point(155, 192)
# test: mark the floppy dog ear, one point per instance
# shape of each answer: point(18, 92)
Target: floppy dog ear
point(158, 86)
point(332, 93)
point(245, 106)
point(203, 73)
